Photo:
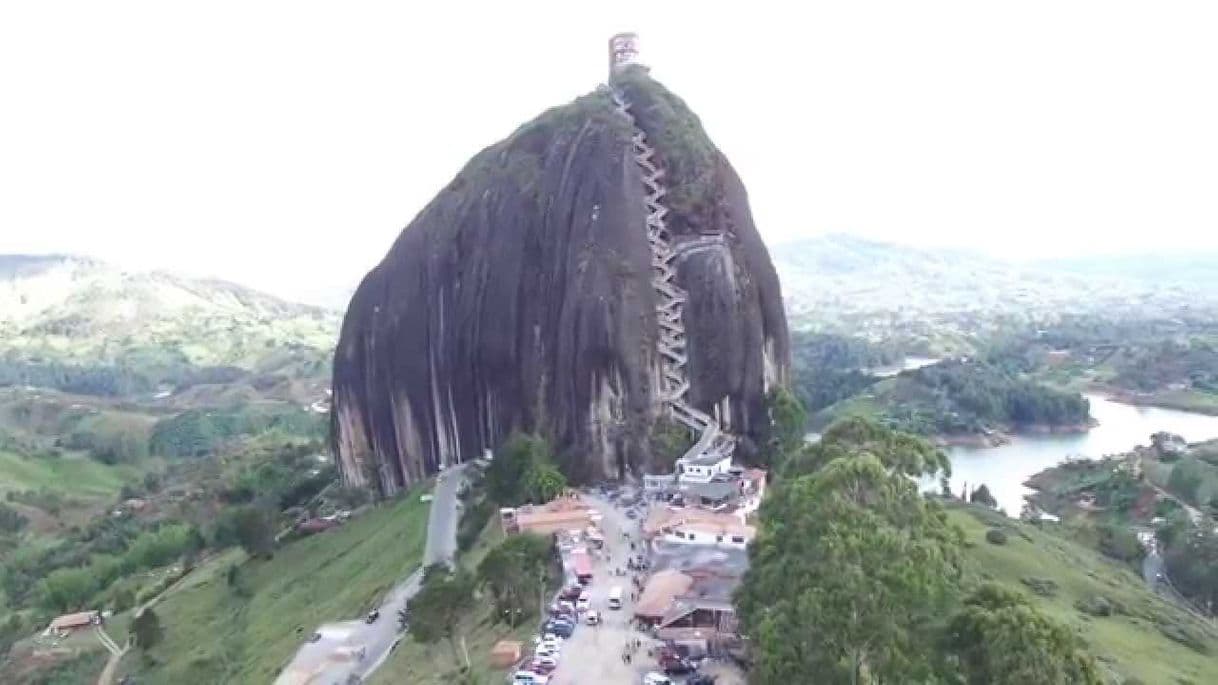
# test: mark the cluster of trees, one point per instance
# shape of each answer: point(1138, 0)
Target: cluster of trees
point(121, 379)
point(855, 576)
point(441, 603)
point(103, 380)
point(200, 432)
point(829, 367)
point(280, 475)
point(1195, 481)
point(1190, 553)
point(517, 574)
point(109, 437)
point(1158, 365)
point(523, 471)
point(969, 397)
point(71, 587)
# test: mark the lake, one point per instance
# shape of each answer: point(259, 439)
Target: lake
point(906, 364)
point(1003, 469)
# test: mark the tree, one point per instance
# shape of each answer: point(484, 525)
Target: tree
point(851, 563)
point(146, 628)
point(788, 424)
point(66, 589)
point(1192, 563)
point(516, 572)
point(508, 476)
point(899, 452)
point(11, 521)
point(666, 442)
point(998, 638)
point(545, 482)
point(252, 527)
point(437, 609)
point(982, 496)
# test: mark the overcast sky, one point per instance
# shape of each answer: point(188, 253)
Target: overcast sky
point(285, 144)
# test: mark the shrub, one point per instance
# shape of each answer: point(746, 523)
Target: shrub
point(123, 599)
point(995, 536)
point(1045, 587)
point(1185, 636)
point(1094, 606)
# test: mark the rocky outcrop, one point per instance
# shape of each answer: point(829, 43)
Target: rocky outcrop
point(520, 299)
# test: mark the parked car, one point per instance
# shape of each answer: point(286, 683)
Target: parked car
point(572, 592)
point(678, 666)
point(543, 664)
point(561, 629)
point(583, 604)
point(315, 637)
point(551, 651)
point(529, 678)
point(372, 616)
point(700, 679)
point(654, 678)
point(593, 618)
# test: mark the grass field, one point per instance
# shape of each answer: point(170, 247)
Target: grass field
point(214, 634)
point(1132, 642)
point(418, 663)
point(72, 475)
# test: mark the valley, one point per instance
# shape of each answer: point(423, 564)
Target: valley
point(127, 423)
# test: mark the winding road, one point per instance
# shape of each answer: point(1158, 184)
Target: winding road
point(332, 659)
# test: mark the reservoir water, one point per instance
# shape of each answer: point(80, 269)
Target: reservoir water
point(906, 364)
point(1003, 469)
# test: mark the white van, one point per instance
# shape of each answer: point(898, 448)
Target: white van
point(615, 597)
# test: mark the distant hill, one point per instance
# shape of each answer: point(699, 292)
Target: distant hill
point(1198, 270)
point(89, 327)
point(938, 300)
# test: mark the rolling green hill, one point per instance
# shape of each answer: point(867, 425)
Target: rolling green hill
point(89, 328)
point(1144, 638)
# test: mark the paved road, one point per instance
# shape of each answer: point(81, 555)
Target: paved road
point(322, 663)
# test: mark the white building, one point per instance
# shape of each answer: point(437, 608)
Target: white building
point(703, 468)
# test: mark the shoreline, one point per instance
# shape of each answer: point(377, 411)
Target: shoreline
point(998, 438)
point(1150, 399)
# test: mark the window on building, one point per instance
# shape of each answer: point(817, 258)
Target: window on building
point(738, 539)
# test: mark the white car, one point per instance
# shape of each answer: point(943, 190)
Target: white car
point(593, 618)
point(544, 649)
point(583, 604)
point(529, 678)
point(654, 678)
point(546, 661)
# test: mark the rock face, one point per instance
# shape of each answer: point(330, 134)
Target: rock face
point(520, 300)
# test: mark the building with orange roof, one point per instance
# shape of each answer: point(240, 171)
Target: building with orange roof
point(567, 512)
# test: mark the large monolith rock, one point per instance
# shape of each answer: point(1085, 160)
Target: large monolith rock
point(520, 299)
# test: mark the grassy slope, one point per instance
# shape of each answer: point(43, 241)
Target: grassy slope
point(71, 475)
point(1129, 643)
point(417, 663)
point(213, 635)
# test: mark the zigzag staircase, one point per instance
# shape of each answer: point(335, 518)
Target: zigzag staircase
point(670, 305)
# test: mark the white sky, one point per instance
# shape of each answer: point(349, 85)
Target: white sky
point(284, 144)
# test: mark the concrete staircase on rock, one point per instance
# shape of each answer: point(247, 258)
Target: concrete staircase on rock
point(712, 442)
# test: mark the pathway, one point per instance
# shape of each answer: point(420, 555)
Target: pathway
point(670, 301)
point(332, 658)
